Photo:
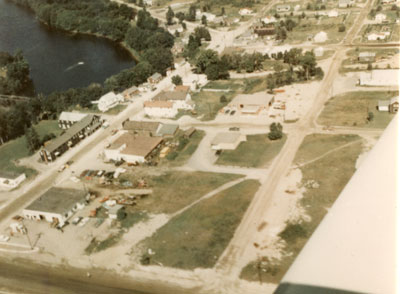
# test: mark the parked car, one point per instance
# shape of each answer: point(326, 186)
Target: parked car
point(60, 226)
point(100, 173)
point(234, 129)
point(233, 112)
point(76, 220)
point(227, 111)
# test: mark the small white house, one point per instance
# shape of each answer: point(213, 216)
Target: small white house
point(245, 11)
point(209, 16)
point(148, 2)
point(161, 109)
point(227, 141)
point(268, 20)
point(378, 36)
point(333, 13)
point(321, 37)
point(346, 3)
point(56, 205)
point(283, 8)
point(109, 101)
point(380, 17)
point(319, 51)
point(11, 180)
point(67, 119)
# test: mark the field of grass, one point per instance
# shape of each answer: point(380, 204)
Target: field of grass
point(257, 151)
point(183, 155)
point(316, 145)
point(331, 173)
point(223, 85)
point(16, 149)
point(352, 108)
point(198, 236)
point(113, 111)
point(208, 103)
point(175, 190)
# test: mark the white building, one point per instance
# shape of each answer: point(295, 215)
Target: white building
point(209, 16)
point(56, 205)
point(245, 11)
point(383, 78)
point(346, 3)
point(250, 104)
point(227, 141)
point(67, 119)
point(132, 148)
point(319, 51)
point(160, 109)
point(180, 97)
point(11, 180)
point(109, 101)
point(268, 19)
point(175, 28)
point(333, 13)
point(148, 2)
point(321, 37)
point(380, 17)
point(283, 8)
point(378, 36)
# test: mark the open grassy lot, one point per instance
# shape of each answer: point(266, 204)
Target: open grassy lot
point(198, 236)
point(208, 103)
point(316, 145)
point(257, 151)
point(332, 173)
point(178, 158)
point(16, 149)
point(174, 190)
point(351, 63)
point(223, 85)
point(113, 111)
point(352, 108)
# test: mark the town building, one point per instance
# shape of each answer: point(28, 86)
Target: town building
point(268, 20)
point(283, 8)
point(333, 13)
point(391, 105)
point(132, 148)
point(388, 1)
point(56, 205)
point(321, 37)
point(346, 3)
point(380, 17)
point(155, 78)
point(366, 56)
point(250, 104)
point(78, 131)
point(148, 2)
point(143, 128)
point(109, 101)
point(131, 93)
point(180, 97)
point(265, 30)
point(245, 11)
point(209, 16)
point(175, 28)
point(378, 36)
point(386, 77)
point(167, 130)
point(11, 180)
point(160, 109)
point(319, 51)
point(227, 141)
point(67, 119)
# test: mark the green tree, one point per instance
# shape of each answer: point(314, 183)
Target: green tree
point(308, 62)
point(271, 85)
point(204, 20)
point(369, 66)
point(32, 140)
point(170, 16)
point(370, 116)
point(275, 131)
point(223, 99)
point(342, 28)
point(176, 80)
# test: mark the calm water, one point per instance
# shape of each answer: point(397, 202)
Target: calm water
point(57, 60)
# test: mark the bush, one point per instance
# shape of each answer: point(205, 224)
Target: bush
point(176, 80)
point(292, 232)
point(172, 155)
point(370, 116)
point(222, 99)
point(275, 131)
point(342, 28)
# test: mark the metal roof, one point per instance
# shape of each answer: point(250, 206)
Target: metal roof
point(72, 116)
point(167, 130)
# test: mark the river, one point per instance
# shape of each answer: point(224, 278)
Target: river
point(58, 61)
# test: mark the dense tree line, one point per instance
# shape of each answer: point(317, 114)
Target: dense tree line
point(209, 63)
point(195, 41)
point(14, 74)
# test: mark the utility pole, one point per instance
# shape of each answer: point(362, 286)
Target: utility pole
point(27, 234)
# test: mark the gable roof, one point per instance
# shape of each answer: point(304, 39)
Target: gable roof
point(170, 95)
point(167, 130)
point(158, 104)
point(136, 145)
point(149, 126)
point(71, 116)
point(226, 138)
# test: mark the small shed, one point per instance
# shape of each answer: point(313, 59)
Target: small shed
point(319, 51)
point(155, 78)
point(383, 105)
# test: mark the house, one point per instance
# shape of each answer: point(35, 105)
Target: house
point(266, 30)
point(56, 205)
point(250, 104)
point(78, 131)
point(245, 11)
point(67, 119)
point(320, 37)
point(148, 2)
point(366, 56)
point(10, 179)
point(109, 101)
point(209, 16)
point(346, 3)
point(131, 92)
point(167, 130)
point(164, 109)
point(383, 78)
point(175, 28)
point(132, 148)
point(180, 97)
point(319, 51)
point(391, 105)
point(189, 132)
point(283, 8)
point(227, 141)
point(155, 78)
point(113, 209)
point(143, 128)
point(333, 13)
point(380, 17)
point(268, 20)
point(378, 36)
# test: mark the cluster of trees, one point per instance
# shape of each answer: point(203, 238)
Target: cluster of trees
point(247, 62)
point(275, 131)
point(302, 67)
point(14, 74)
point(315, 6)
point(100, 17)
point(193, 47)
point(209, 63)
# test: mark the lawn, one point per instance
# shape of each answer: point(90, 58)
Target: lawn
point(332, 174)
point(181, 157)
point(352, 108)
point(208, 103)
point(113, 111)
point(223, 85)
point(257, 151)
point(198, 236)
point(16, 149)
point(175, 190)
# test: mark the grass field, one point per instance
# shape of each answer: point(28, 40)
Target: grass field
point(257, 151)
point(332, 173)
point(174, 190)
point(351, 109)
point(198, 236)
point(16, 149)
point(208, 103)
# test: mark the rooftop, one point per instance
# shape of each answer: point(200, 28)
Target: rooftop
point(170, 95)
point(149, 126)
point(136, 145)
point(259, 98)
point(71, 116)
point(167, 130)
point(58, 200)
point(226, 138)
point(158, 104)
